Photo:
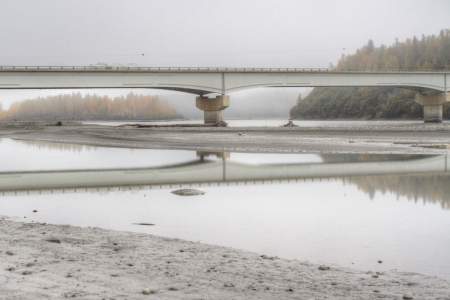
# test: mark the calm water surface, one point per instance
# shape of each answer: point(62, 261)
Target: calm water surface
point(353, 221)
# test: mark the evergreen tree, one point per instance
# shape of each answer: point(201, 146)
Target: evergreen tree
point(428, 53)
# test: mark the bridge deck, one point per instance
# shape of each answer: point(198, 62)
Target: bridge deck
point(201, 70)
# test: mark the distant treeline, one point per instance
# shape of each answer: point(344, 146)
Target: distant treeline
point(429, 188)
point(426, 188)
point(427, 53)
point(90, 107)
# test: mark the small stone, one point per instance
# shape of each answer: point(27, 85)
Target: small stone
point(228, 284)
point(53, 240)
point(374, 276)
point(290, 123)
point(29, 265)
point(290, 290)
point(10, 253)
point(148, 292)
point(10, 269)
point(221, 124)
point(380, 261)
point(35, 211)
point(172, 288)
point(376, 291)
point(69, 275)
point(188, 192)
point(130, 265)
point(268, 257)
point(144, 224)
point(114, 275)
point(27, 273)
point(324, 268)
point(408, 297)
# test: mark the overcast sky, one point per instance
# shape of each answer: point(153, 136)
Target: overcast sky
point(206, 32)
point(263, 33)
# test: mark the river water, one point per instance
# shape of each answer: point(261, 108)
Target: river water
point(319, 208)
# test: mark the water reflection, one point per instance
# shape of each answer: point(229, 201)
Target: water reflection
point(425, 188)
point(40, 145)
point(221, 168)
point(419, 178)
point(363, 207)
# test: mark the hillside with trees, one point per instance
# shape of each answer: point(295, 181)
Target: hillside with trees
point(427, 53)
point(76, 107)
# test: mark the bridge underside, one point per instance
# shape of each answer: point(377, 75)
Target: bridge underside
point(431, 87)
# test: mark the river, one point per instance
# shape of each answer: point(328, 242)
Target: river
point(365, 221)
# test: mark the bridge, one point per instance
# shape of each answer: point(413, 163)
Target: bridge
point(214, 85)
point(216, 171)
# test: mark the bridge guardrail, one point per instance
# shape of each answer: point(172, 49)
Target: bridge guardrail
point(110, 68)
point(155, 69)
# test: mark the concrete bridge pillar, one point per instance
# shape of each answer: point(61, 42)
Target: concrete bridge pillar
point(433, 106)
point(213, 109)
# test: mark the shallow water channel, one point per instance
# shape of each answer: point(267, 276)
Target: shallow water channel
point(348, 210)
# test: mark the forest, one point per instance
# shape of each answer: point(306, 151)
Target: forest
point(78, 107)
point(429, 53)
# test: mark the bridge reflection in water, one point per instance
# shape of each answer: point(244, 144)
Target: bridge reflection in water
point(216, 168)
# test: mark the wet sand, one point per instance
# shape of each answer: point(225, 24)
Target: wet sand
point(40, 261)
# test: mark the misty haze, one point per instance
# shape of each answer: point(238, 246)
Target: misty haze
point(224, 149)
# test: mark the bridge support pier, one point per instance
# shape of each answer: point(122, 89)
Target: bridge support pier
point(433, 106)
point(213, 109)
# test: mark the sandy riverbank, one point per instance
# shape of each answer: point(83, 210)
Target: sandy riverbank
point(40, 261)
point(414, 138)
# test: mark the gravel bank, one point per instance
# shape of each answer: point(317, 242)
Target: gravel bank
point(40, 261)
point(402, 138)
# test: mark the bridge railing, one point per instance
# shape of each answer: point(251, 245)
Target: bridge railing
point(107, 68)
point(112, 68)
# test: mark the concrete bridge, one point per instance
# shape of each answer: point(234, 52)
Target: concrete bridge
point(213, 85)
point(217, 171)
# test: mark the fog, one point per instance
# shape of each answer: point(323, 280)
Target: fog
point(263, 33)
point(205, 32)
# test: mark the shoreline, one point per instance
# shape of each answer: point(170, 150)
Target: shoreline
point(60, 261)
point(42, 261)
point(368, 138)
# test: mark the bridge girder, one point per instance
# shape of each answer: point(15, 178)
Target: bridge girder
point(205, 81)
point(201, 81)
